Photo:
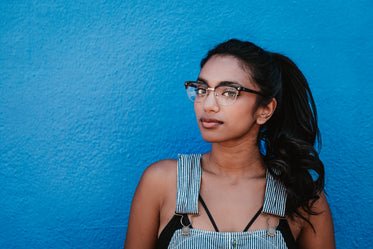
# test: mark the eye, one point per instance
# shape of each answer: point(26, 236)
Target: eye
point(228, 92)
point(200, 89)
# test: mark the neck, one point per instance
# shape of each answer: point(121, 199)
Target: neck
point(235, 159)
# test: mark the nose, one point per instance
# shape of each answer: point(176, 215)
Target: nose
point(210, 103)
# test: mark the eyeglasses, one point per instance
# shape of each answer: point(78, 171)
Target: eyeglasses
point(224, 94)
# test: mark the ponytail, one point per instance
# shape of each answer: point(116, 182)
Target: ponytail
point(290, 136)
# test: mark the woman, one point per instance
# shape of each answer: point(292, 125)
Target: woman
point(261, 185)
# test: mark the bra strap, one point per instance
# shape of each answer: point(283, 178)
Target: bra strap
point(253, 219)
point(208, 213)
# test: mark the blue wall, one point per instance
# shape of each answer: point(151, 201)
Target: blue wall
point(91, 92)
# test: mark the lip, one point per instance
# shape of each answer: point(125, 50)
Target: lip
point(210, 123)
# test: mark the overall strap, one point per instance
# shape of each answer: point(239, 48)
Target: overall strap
point(189, 174)
point(275, 197)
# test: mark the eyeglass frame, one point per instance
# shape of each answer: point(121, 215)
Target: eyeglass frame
point(237, 87)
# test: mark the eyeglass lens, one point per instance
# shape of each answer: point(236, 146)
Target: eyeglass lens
point(225, 95)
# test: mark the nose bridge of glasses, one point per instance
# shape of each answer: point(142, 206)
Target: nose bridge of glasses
point(212, 89)
point(211, 100)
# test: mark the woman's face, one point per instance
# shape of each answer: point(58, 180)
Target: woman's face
point(220, 123)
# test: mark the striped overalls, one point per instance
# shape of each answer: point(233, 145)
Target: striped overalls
point(188, 184)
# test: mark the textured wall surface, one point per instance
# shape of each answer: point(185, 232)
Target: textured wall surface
point(91, 93)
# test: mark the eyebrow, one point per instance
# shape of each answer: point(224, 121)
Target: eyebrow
point(220, 83)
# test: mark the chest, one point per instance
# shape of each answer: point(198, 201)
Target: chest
point(231, 204)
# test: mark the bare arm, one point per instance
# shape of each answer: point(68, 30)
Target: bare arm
point(143, 222)
point(323, 236)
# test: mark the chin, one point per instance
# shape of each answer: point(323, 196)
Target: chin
point(221, 137)
point(214, 139)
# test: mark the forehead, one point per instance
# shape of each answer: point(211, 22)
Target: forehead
point(225, 68)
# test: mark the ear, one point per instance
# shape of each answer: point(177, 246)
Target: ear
point(265, 112)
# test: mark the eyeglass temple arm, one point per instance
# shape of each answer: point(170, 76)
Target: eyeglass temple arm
point(249, 91)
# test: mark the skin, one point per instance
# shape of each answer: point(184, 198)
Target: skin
point(232, 171)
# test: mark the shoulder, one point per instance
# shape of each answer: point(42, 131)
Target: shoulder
point(160, 173)
point(321, 233)
point(149, 196)
point(161, 168)
point(323, 216)
point(158, 178)
point(321, 209)
point(156, 184)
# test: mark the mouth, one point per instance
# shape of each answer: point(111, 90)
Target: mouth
point(210, 123)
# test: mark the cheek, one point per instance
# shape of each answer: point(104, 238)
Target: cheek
point(242, 118)
point(199, 108)
point(246, 108)
point(196, 108)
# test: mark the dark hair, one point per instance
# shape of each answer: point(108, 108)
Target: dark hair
point(289, 136)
